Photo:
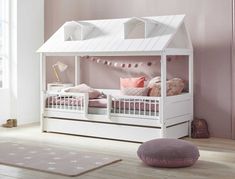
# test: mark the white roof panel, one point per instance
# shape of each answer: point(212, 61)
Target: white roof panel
point(108, 37)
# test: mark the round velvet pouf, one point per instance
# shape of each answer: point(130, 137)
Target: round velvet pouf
point(168, 153)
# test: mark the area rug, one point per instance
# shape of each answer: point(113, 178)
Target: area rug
point(51, 159)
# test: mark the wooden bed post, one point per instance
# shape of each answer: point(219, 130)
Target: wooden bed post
point(190, 74)
point(190, 64)
point(163, 94)
point(42, 88)
point(109, 106)
point(77, 71)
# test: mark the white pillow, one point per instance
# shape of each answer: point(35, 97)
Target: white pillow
point(135, 91)
point(83, 88)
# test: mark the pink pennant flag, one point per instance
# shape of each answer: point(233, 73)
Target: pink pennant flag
point(105, 62)
point(141, 64)
point(149, 63)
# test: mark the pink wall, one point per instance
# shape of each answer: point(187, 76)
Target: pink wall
point(93, 72)
point(210, 26)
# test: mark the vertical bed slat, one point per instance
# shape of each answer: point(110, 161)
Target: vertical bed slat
point(113, 105)
point(74, 104)
point(48, 101)
point(79, 99)
point(67, 102)
point(119, 105)
point(124, 106)
point(68, 106)
point(56, 100)
point(60, 101)
point(77, 103)
point(134, 108)
point(82, 105)
point(52, 102)
point(155, 107)
point(144, 101)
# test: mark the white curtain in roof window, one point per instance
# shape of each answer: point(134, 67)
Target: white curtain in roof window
point(4, 41)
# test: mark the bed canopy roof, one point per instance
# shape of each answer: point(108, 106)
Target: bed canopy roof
point(116, 37)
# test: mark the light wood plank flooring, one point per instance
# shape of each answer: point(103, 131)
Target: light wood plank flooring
point(217, 158)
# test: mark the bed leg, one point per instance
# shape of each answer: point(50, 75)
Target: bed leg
point(189, 128)
point(86, 104)
point(163, 131)
point(43, 124)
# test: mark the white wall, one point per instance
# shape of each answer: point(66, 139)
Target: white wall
point(21, 100)
point(30, 36)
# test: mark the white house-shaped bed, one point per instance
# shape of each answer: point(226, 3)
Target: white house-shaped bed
point(158, 36)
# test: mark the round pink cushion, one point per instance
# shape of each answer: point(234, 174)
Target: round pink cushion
point(169, 153)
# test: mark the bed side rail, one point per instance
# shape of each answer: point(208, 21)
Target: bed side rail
point(63, 101)
point(133, 106)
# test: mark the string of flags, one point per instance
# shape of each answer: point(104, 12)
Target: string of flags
point(121, 64)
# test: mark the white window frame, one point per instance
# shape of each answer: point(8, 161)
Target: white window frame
point(4, 54)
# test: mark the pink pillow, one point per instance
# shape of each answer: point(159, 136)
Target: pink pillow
point(169, 153)
point(132, 82)
point(83, 88)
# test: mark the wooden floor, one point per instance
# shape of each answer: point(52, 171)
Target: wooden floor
point(217, 158)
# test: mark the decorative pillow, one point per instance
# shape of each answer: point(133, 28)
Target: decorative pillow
point(83, 88)
point(132, 82)
point(169, 153)
point(135, 91)
point(174, 86)
point(154, 81)
point(155, 90)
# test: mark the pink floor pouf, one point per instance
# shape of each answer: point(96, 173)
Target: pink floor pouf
point(168, 153)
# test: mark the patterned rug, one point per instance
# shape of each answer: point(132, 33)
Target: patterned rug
point(51, 159)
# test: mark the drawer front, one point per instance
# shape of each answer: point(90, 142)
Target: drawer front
point(103, 130)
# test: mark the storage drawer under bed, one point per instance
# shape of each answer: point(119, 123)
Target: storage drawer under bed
point(112, 131)
point(140, 121)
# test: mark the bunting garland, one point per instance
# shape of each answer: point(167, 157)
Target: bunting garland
point(119, 64)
